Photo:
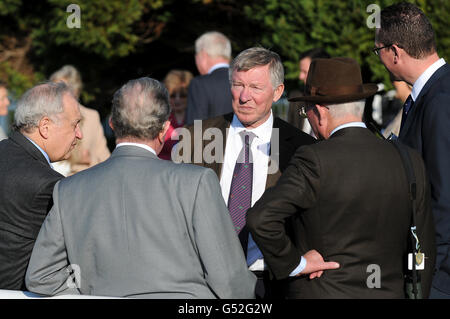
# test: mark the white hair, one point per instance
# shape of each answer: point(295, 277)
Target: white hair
point(215, 44)
point(39, 101)
point(355, 108)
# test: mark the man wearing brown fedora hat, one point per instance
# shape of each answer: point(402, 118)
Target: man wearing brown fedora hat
point(347, 196)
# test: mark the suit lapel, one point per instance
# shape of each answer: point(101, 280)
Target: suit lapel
point(223, 126)
point(32, 150)
point(418, 104)
point(278, 147)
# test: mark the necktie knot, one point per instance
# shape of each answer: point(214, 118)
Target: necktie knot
point(245, 154)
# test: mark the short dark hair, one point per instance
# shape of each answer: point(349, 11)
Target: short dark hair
point(315, 53)
point(406, 25)
point(3, 84)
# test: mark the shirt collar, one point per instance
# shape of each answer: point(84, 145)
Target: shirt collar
point(42, 151)
point(146, 147)
point(263, 132)
point(350, 124)
point(218, 66)
point(424, 77)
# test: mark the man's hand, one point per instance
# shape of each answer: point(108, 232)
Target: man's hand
point(315, 265)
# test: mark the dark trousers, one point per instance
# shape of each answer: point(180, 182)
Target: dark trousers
point(267, 288)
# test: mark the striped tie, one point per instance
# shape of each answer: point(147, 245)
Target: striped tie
point(240, 199)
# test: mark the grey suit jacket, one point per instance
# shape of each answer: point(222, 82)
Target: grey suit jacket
point(138, 226)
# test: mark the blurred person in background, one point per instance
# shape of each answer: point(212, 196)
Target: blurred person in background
point(4, 103)
point(93, 148)
point(210, 93)
point(176, 82)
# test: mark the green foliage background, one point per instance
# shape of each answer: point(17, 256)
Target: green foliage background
point(119, 40)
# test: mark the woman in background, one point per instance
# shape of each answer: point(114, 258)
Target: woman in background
point(176, 82)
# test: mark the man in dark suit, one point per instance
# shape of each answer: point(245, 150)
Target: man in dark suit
point(46, 129)
point(347, 197)
point(406, 46)
point(209, 94)
point(220, 143)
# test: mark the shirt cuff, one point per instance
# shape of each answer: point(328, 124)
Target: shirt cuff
point(299, 268)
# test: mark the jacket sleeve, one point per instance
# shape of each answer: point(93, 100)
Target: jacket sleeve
point(296, 190)
point(221, 254)
point(436, 153)
point(48, 271)
point(425, 226)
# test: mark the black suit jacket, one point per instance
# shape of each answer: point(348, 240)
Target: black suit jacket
point(290, 138)
point(209, 95)
point(347, 198)
point(26, 186)
point(426, 129)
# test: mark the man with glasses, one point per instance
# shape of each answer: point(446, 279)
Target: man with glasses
point(335, 197)
point(406, 45)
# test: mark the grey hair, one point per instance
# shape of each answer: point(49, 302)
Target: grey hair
point(44, 99)
point(215, 44)
point(140, 108)
point(257, 56)
point(71, 76)
point(355, 108)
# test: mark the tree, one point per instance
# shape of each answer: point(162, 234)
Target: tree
point(291, 27)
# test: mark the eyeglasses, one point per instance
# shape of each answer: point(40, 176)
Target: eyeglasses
point(303, 109)
point(377, 50)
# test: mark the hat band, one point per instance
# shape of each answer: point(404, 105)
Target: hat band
point(336, 91)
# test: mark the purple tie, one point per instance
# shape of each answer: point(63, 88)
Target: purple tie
point(240, 198)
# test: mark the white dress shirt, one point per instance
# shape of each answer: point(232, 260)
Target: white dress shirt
point(424, 77)
point(218, 66)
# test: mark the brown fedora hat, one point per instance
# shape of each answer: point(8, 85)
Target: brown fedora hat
point(335, 80)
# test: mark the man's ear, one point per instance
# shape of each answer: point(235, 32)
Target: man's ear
point(111, 123)
point(321, 114)
point(162, 134)
point(278, 92)
point(44, 126)
point(397, 52)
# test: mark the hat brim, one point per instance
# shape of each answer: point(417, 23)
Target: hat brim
point(369, 89)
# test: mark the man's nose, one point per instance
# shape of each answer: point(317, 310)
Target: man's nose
point(78, 133)
point(245, 95)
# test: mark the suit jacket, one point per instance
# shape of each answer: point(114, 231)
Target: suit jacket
point(426, 129)
point(290, 138)
point(26, 185)
point(336, 193)
point(147, 232)
point(209, 95)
